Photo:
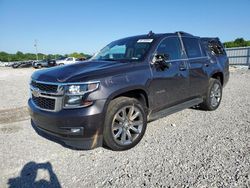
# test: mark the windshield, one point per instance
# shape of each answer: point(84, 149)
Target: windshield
point(131, 49)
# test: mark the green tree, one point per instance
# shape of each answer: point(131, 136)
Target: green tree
point(239, 42)
point(20, 56)
point(77, 55)
point(4, 56)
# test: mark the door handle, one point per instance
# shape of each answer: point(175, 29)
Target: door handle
point(206, 65)
point(182, 67)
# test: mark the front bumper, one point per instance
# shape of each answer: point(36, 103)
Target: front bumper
point(57, 126)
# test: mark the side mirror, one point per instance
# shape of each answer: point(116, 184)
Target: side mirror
point(161, 60)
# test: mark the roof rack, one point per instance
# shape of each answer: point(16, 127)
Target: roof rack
point(150, 33)
point(183, 33)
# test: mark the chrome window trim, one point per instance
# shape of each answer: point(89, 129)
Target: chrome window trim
point(188, 59)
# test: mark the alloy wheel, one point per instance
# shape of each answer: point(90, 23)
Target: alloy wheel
point(127, 125)
point(215, 95)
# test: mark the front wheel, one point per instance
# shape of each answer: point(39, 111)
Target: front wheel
point(125, 123)
point(213, 96)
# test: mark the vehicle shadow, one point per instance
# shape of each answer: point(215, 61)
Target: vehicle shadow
point(28, 176)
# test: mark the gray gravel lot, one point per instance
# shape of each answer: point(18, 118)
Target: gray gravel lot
point(201, 149)
point(14, 87)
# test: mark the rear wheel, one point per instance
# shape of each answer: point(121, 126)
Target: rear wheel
point(125, 123)
point(213, 96)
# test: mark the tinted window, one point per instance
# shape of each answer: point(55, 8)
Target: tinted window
point(192, 47)
point(171, 47)
point(215, 48)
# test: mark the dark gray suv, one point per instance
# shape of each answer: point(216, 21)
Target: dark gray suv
point(110, 98)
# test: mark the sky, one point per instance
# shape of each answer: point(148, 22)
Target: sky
point(66, 26)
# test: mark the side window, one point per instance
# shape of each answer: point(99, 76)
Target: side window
point(192, 47)
point(216, 48)
point(171, 47)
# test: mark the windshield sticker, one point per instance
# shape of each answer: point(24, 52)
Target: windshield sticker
point(145, 40)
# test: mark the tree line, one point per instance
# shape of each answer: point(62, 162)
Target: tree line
point(239, 42)
point(20, 56)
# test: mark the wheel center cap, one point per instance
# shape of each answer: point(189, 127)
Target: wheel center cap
point(126, 124)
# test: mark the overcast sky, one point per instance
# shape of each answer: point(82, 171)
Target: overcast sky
point(65, 26)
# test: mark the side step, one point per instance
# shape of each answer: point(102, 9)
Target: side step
point(173, 109)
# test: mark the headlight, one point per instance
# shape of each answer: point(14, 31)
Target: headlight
point(80, 89)
point(76, 94)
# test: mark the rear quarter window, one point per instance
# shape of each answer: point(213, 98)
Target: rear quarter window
point(216, 48)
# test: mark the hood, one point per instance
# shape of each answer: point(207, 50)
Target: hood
point(82, 71)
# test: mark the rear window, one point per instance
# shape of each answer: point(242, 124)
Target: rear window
point(192, 47)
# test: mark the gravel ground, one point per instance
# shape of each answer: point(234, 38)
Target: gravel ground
point(191, 148)
point(14, 87)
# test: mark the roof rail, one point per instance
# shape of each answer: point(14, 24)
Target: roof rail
point(150, 33)
point(183, 33)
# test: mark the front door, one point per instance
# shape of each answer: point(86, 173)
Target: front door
point(169, 86)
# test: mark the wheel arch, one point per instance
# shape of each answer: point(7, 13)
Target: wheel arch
point(138, 93)
point(219, 76)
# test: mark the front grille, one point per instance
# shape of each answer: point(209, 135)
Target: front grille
point(44, 103)
point(45, 87)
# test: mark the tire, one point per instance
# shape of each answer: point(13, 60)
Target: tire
point(39, 66)
point(213, 96)
point(119, 132)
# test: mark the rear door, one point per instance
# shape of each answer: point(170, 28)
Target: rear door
point(169, 86)
point(198, 64)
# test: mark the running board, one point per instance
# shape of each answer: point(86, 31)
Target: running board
point(173, 109)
